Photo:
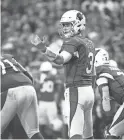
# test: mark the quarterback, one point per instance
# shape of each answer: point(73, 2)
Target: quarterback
point(21, 97)
point(110, 81)
point(77, 56)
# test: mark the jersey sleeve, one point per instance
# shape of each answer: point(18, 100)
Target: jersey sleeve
point(103, 71)
point(106, 75)
point(101, 81)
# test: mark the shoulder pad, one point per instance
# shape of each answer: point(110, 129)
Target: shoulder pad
point(88, 41)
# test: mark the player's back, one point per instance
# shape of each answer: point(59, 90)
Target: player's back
point(115, 78)
point(12, 73)
point(80, 69)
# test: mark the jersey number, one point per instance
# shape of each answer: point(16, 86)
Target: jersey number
point(4, 68)
point(48, 86)
point(90, 63)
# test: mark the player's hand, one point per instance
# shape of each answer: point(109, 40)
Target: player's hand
point(39, 43)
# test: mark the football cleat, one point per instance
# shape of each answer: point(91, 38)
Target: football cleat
point(107, 134)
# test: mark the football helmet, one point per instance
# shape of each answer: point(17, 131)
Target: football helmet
point(46, 67)
point(72, 23)
point(101, 57)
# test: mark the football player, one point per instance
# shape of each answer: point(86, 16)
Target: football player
point(48, 89)
point(110, 81)
point(77, 57)
point(21, 97)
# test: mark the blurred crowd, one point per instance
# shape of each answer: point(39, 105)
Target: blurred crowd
point(21, 19)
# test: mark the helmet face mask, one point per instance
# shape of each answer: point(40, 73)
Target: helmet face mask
point(75, 19)
point(101, 58)
point(66, 29)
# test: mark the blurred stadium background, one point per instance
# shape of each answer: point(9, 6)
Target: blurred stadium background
point(20, 19)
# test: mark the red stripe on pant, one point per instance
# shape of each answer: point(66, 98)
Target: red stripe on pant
point(73, 93)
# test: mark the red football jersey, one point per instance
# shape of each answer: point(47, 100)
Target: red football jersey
point(13, 74)
point(115, 78)
point(80, 69)
point(48, 88)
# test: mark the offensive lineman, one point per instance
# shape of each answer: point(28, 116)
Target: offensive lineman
point(77, 56)
point(21, 97)
point(110, 81)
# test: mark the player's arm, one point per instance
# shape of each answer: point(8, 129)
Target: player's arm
point(102, 83)
point(22, 69)
point(28, 75)
point(59, 59)
point(26, 72)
